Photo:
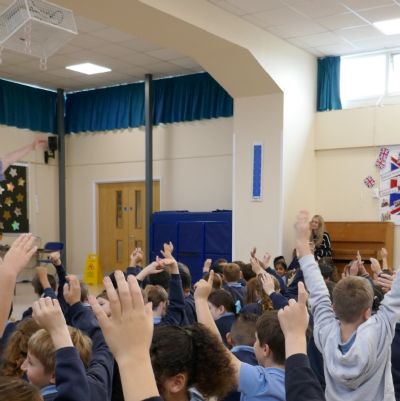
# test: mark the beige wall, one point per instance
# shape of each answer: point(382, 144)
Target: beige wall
point(43, 185)
point(347, 144)
point(192, 160)
point(257, 223)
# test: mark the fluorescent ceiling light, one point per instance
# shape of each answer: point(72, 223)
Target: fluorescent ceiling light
point(388, 27)
point(88, 68)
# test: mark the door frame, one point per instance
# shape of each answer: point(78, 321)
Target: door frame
point(95, 202)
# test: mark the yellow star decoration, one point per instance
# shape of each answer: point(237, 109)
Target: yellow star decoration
point(6, 215)
point(10, 186)
point(21, 182)
point(20, 198)
point(8, 201)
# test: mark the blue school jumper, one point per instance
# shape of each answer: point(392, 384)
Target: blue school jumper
point(224, 324)
point(238, 293)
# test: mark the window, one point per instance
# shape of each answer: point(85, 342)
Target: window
point(367, 79)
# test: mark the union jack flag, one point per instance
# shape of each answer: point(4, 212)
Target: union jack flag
point(381, 160)
point(394, 183)
point(369, 181)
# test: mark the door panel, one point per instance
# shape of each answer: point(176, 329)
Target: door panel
point(121, 221)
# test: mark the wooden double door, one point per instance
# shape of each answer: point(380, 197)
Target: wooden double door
point(121, 221)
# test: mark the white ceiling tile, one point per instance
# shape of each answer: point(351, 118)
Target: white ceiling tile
point(301, 28)
point(66, 49)
point(279, 16)
point(318, 8)
point(139, 59)
point(341, 21)
point(379, 43)
point(381, 13)
point(186, 62)
point(315, 52)
point(255, 6)
point(359, 33)
point(362, 4)
point(299, 43)
point(12, 57)
point(140, 45)
point(164, 68)
point(86, 25)
point(165, 54)
point(86, 41)
point(113, 50)
point(136, 71)
point(321, 39)
point(112, 35)
point(336, 50)
point(225, 5)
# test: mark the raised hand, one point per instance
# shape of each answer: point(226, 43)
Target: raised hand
point(302, 232)
point(55, 258)
point(255, 266)
point(267, 282)
point(203, 288)
point(129, 329)
point(128, 333)
point(294, 322)
point(72, 290)
point(375, 266)
point(207, 265)
point(136, 257)
point(385, 281)
point(20, 253)
point(266, 259)
point(168, 249)
point(47, 314)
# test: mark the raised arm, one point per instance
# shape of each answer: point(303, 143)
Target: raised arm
point(18, 154)
point(71, 381)
point(300, 380)
point(321, 306)
point(16, 259)
point(128, 332)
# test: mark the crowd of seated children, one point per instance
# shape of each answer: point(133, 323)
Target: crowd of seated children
point(151, 334)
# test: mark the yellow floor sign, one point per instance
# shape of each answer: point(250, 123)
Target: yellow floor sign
point(92, 274)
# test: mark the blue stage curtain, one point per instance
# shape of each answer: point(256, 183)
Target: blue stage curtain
point(188, 98)
point(185, 98)
point(328, 96)
point(105, 109)
point(22, 106)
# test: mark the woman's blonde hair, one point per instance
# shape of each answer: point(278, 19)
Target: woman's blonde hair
point(318, 235)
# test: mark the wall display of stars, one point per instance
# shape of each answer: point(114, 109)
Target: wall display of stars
point(13, 201)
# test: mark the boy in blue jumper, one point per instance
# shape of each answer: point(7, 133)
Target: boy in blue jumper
point(265, 382)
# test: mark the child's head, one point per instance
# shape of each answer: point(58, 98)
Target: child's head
point(247, 271)
point(243, 330)
point(15, 389)
point(255, 293)
point(190, 357)
point(327, 268)
point(218, 265)
point(231, 272)
point(40, 362)
point(37, 287)
point(186, 277)
point(269, 346)
point(281, 268)
point(159, 297)
point(17, 348)
point(279, 259)
point(352, 299)
point(220, 302)
point(217, 281)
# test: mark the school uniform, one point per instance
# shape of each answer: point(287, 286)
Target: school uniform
point(238, 292)
point(224, 324)
point(257, 383)
point(71, 380)
point(190, 310)
point(176, 309)
point(300, 381)
point(100, 369)
point(246, 354)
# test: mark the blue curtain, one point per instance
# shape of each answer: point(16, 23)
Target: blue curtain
point(22, 106)
point(105, 109)
point(185, 98)
point(189, 98)
point(328, 96)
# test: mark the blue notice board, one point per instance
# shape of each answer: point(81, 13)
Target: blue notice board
point(257, 171)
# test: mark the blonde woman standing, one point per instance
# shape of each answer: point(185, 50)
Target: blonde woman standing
point(320, 238)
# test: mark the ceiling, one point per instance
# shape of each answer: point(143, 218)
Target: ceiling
point(321, 27)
